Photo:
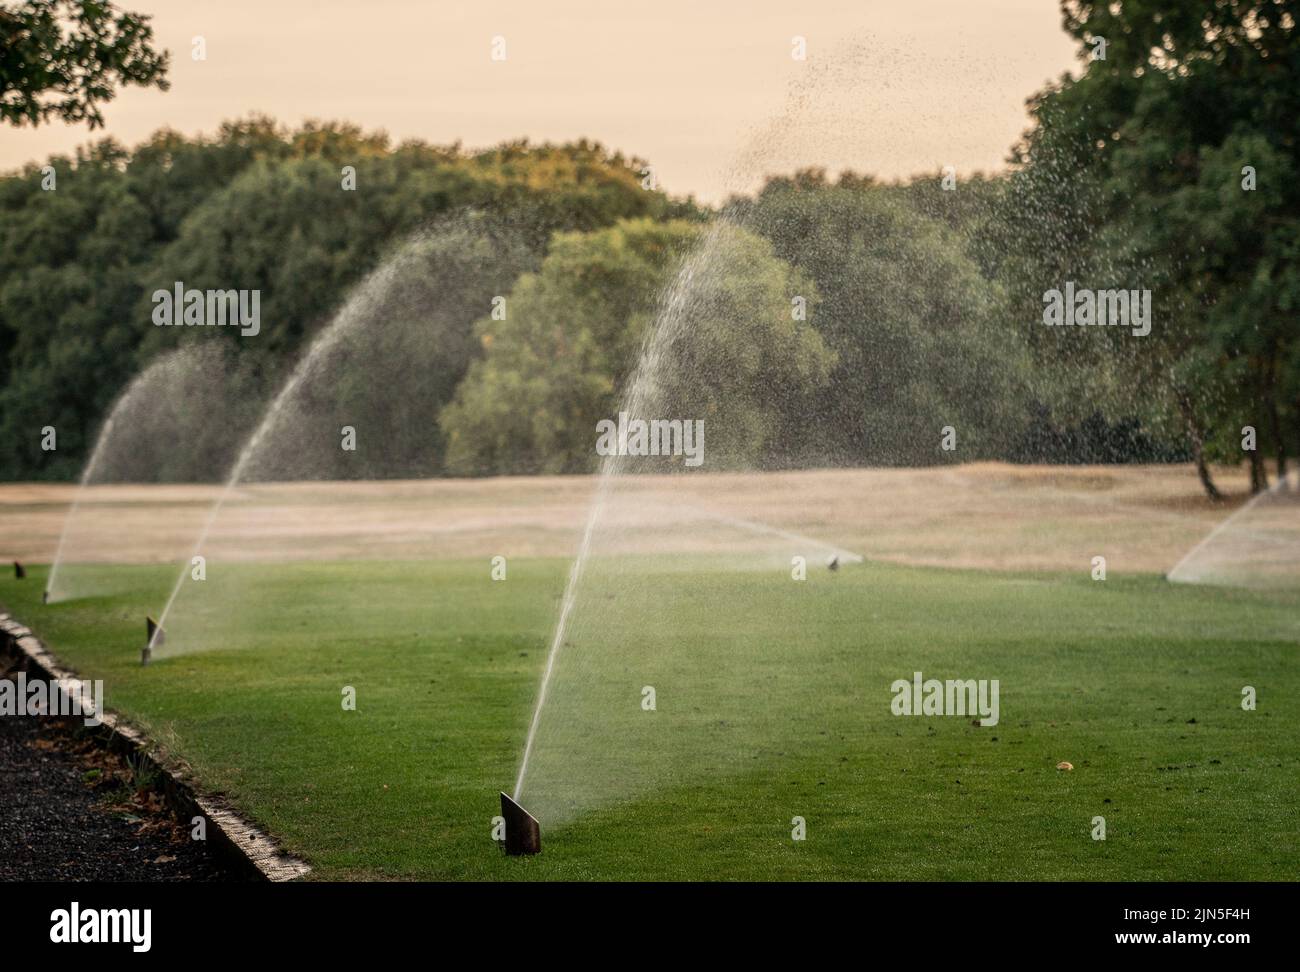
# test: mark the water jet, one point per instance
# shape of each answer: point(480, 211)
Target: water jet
point(523, 832)
point(155, 635)
point(159, 429)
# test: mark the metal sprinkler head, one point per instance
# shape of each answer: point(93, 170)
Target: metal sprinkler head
point(19, 570)
point(523, 832)
point(155, 635)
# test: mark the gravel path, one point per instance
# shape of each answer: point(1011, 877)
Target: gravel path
point(68, 813)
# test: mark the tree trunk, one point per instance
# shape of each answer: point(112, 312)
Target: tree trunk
point(1198, 448)
point(1203, 471)
point(1297, 438)
point(1275, 422)
point(1258, 472)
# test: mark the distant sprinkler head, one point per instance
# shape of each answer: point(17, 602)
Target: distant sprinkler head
point(523, 832)
point(834, 563)
point(145, 654)
point(19, 570)
point(45, 597)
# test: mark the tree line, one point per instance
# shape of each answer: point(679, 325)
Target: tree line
point(828, 321)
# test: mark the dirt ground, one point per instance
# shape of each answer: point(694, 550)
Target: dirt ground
point(70, 811)
point(990, 515)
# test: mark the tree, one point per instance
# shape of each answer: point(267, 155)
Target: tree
point(919, 334)
point(1181, 147)
point(573, 334)
point(257, 206)
point(401, 350)
point(64, 59)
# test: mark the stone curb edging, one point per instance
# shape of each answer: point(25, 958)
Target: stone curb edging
point(247, 846)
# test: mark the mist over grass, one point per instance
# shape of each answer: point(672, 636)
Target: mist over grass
point(763, 714)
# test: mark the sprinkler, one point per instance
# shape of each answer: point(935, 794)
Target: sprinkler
point(523, 832)
point(19, 570)
point(156, 636)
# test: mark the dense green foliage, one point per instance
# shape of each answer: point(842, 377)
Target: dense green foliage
point(254, 207)
point(1169, 165)
point(918, 332)
point(67, 57)
point(573, 332)
point(1136, 174)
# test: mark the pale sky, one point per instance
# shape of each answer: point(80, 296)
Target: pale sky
point(705, 90)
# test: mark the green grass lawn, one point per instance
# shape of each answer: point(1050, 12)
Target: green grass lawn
point(773, 700)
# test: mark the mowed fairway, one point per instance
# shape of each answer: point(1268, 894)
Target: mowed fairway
point(773, 702)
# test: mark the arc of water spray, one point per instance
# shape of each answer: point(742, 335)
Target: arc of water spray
point(754, 526)
point(561, 626)
point(667, 325)
point(139, 390)
point(91, 465)
point(323, 343)
point(664, 330)
point(1205, 542)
